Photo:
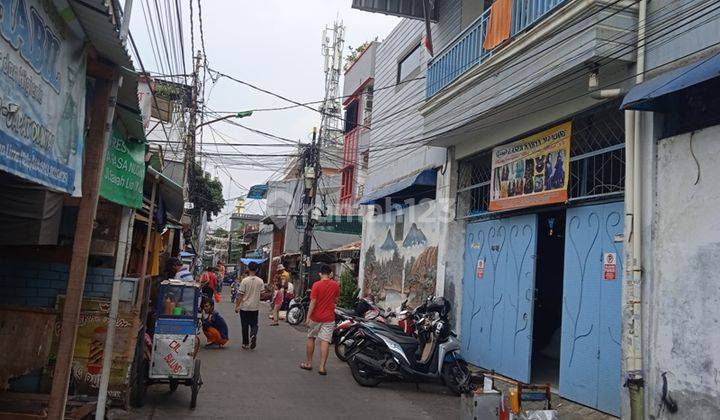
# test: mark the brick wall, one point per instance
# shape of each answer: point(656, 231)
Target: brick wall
point(37, 284)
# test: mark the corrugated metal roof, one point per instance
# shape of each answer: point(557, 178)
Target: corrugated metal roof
point(411, 9)
point(96, 19)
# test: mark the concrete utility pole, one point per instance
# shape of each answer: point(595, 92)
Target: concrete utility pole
point(190, 137)
point(311, 170)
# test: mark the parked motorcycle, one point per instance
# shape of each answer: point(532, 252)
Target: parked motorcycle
point(385, 352)
point(297, 310)
point(367, 312)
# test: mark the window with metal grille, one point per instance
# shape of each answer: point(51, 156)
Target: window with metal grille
point(597, 153)
point(597, 162)
point(474, 184)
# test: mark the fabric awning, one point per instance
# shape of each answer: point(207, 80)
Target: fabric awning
point(97, 21)
point(171, 192)
point(247, 261)
point(654, 94)
point(407, 187)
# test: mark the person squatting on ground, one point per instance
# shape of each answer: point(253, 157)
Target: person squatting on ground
point(248, 305)
point(321, 318)
point(276, 302)
point(214, 326)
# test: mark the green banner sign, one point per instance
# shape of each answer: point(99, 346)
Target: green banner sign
point(124, 172)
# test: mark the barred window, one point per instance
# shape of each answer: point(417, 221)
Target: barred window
point(597, 162)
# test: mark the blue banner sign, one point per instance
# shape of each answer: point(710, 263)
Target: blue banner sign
point(42, 95)
point(258, 192)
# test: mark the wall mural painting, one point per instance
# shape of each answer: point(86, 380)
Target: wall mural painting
point(406, 268)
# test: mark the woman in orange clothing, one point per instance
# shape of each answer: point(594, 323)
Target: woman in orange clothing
point(214, 326)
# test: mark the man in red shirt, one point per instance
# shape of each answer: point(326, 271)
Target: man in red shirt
point(321, 318)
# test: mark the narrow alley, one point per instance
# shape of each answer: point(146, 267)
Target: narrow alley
point(267, 383)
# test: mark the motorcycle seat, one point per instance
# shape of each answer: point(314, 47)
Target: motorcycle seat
point(391, 328)
point(346, 312)
point(402, 339)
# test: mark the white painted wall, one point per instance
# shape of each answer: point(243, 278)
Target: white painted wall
point(682, 293)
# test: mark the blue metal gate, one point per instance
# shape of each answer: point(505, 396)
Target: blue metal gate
point(498, 286)
point(591, 323)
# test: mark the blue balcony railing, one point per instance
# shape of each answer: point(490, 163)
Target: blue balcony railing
point(467, 51)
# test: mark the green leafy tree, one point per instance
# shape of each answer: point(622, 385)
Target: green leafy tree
point(205, 194)
point(348, 290)
point(220, 233)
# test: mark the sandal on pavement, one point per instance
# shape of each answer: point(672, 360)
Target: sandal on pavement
point(305, 366)
point(322, 372)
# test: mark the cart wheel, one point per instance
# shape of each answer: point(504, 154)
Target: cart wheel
point(196, 384)
point(140, 387)
point(174, 385)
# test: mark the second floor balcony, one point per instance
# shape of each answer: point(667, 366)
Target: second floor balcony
point(472, 48)
point(513, 29)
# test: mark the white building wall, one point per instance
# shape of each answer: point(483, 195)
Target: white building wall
point(681, 261)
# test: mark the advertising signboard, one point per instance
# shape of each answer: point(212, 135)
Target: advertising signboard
point(124, 171)
point(42, 96)
point(533, 171)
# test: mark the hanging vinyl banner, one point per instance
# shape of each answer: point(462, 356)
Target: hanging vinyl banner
point(533, 171)
point(124, 171)
point(42, 95)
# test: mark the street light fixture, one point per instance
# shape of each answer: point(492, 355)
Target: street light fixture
point(241, 114)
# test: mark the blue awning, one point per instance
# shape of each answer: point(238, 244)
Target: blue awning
point(247, 261)
point(405, 187)
point(652, 95)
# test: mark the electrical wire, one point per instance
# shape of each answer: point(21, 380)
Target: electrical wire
point(426, 138)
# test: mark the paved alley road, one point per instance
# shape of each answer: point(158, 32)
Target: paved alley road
point(267, 383)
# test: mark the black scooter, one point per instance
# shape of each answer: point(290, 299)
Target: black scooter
point(297, 310)
point(383, 352)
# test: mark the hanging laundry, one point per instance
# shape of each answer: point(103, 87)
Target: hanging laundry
point(498, 24)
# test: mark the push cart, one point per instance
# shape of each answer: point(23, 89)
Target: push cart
point(176, 341)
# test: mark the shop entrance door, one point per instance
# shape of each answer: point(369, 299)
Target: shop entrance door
point(498, 290)
point(591, 325)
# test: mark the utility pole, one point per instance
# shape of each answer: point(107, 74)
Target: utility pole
point(190, 138)
point(330, 129)
point(190, 135)
point(311, 170)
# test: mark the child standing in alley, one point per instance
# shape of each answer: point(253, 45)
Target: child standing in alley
point(277, 300)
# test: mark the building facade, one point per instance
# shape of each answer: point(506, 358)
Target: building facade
point(358, 87)
point(520, 109)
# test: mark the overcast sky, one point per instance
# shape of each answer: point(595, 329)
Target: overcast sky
point(274, 44)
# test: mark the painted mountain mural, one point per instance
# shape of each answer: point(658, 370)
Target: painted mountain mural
point(381, 276)
point(421, 276)
point(415, 237)
point(389, 244)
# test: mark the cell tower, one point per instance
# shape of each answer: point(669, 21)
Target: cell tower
point(333, 41)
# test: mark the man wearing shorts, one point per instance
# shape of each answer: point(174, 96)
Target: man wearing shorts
point(321, 318)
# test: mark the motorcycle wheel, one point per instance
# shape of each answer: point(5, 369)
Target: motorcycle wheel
point(341, 351)
point(362, 375)
point(456, 376)
point(295, 315)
